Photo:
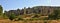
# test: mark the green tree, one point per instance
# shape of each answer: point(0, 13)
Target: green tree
point(58, 16)
point(12, 16)
point(1, 10)
point(54, 15)
point(5, 15)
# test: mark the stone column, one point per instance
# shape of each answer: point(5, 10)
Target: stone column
point(24, 10)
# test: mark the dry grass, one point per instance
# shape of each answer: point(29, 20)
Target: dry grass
point(36, 21)
point(53, 21)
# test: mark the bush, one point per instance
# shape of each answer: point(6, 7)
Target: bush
point(34, 19)
point(43, 18)
point(46, 18)
point(20, 19)
point(12, 16)
point(36, 16)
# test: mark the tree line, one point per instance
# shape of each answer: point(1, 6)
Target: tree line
point(11, 14)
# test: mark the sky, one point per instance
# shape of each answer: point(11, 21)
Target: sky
point(15, 4)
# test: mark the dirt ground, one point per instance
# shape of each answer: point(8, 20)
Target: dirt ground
point(8, 21)
point(54, 21)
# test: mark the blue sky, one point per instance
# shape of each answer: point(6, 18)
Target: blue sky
point(15, 4)
point(55, 2)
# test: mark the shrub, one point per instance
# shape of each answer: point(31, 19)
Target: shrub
point(36, 16)
point(46, 18)
point(20, 19)
point(12, 16)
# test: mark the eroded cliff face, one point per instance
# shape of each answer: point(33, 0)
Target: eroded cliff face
point(44, 10)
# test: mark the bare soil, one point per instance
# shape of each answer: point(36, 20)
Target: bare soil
point(38, 21)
